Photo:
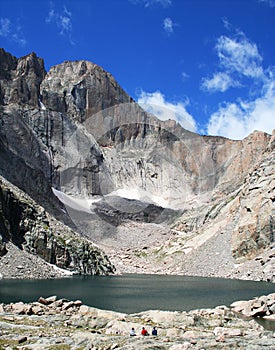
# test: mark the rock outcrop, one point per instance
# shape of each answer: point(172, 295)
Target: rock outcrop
point(29, 228)
point(263, 306)
point(20, 79)
point(53, 322)
point(255, 228)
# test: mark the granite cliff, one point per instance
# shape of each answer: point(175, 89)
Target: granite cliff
point(154, 196)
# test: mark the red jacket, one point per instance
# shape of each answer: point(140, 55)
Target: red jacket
point(144, 332)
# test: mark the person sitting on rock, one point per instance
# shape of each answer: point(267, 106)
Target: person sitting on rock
point(132, 333)
point(144, 331)
point(154, 331)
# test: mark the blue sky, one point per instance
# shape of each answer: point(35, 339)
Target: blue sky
point(210, 64)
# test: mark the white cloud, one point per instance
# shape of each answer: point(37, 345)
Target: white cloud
point(168, 25)
point(185, 76)
point(148, 3)
point(220, 82)
point(239, 58)
point(5, 27)
point(63, 21)
point(240, 55)
point(156, 104)
point(237, 120)
point(12, 32)
point(226, 23)
point(271, 3)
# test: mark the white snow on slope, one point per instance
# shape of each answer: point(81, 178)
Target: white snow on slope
point(86, 204)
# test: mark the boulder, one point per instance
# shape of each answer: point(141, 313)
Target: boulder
point(38, 310)
point(19, 308)
point(77, 303)
point(68, 305)
point(51, 299)
point(22, 340)
point(84, 309)
point(259, 312)
point(258, 307)
point(43, 301)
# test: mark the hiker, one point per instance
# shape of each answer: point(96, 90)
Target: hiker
point(144, 331)
point(154, 331)
point(132, 333)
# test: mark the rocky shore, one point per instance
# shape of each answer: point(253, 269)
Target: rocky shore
point(52, 323)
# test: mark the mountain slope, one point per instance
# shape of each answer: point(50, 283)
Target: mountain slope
point(125, 179)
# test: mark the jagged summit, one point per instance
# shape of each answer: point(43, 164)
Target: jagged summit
point(76, 130)
point(81, 88)
point(20, 79)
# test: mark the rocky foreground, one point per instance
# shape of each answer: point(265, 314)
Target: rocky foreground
point(50, 323)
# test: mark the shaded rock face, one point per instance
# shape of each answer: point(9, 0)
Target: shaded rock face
point(80, 89)
point(30, 228)
point(20, 79)
point(256, 227)
point(75, 129)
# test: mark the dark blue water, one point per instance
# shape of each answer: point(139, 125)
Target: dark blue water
point(134, 293)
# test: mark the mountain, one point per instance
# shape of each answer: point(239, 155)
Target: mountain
point(154, 196)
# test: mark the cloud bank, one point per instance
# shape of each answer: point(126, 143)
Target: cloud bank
point(241, 65)
point(238, 58)
point(239, 119)
point(156, 104)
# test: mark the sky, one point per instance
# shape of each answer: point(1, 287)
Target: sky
point(209, 64)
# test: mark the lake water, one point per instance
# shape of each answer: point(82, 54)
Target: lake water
point(132, 293)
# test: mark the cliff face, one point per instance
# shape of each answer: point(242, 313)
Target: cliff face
point(30, 228)
point(256, 227)
point(50, 109)
point(76, 130)
point(20, 79)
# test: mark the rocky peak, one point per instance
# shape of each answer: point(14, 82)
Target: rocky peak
point(8, 63)
point(20, 79)
point(81, 88)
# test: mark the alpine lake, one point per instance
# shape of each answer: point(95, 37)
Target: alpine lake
point(132, 293)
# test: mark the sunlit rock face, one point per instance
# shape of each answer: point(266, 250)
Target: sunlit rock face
point(76, 130)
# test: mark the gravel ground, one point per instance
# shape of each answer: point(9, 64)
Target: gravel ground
point(211, 259)
point(143, 257)
point(20, 264)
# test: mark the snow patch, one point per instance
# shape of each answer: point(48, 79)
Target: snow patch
point(42, 106)
point(141, 195)
point(85, 204)
point(76, 203)
point(62, 271)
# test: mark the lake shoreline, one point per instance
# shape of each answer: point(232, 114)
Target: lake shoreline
point(131, 293)
point(70, 324)
point(30, 266)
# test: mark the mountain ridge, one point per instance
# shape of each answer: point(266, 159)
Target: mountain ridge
point(75, 129)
